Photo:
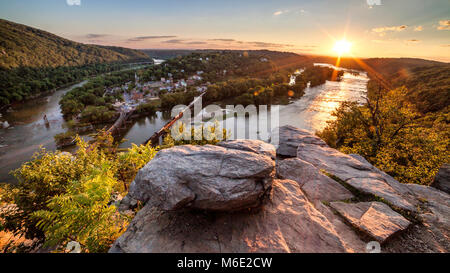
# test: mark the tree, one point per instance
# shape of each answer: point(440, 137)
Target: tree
point(390, 134)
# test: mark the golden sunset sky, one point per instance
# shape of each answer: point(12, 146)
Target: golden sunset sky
point(395, 28)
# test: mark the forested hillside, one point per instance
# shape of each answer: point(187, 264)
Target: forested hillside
point(428, 87)
point(33, 61)
point(21, 45)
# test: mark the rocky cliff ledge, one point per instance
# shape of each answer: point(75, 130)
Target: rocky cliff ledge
point(245, 196)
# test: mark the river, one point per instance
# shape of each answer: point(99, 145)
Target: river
point(28, 131)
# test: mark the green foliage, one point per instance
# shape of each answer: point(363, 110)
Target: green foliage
point(97, 114)
point(63, 138)
point(83, 213)
point(62, 197)
point(22, 83)
point(318, 75)
point(146, 109)
point(196, 135)
point(92, 94)
point(45, 176)
point(256, 91)
point(169, 100)
point(132, 161)
point(392, 135)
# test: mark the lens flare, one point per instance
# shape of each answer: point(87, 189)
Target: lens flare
point(342, 47)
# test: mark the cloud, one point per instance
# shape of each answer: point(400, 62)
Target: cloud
point(196, 43)
point(264, 44)
point(96, 36)
point(444, 25)
point(418, 28)
point(144, 38)
point(222, 40)
point(382, 30)
point(253, 44)
point(279, 12)
point(174, 41)
point(303, 49)
point(413, 41)
point(215, 42)
point(73, 2)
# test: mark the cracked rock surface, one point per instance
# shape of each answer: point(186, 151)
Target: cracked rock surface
point(239, 196)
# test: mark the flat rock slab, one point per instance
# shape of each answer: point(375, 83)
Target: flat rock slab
point(375, 218)
point(290, 137)
point(315, 184)
point(204, 177)
point(286, 223)
point(359, 174)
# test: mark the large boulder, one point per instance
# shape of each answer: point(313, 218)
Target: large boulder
point(286, 223)
point(289, 137)
point(442, 179)
point(204, 177)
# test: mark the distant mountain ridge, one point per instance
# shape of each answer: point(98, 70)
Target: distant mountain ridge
point(24, 46)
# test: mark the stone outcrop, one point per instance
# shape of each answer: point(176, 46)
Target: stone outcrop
point(239, 196)
point(442, 179)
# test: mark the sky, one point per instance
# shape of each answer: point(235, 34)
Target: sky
point(375, 28)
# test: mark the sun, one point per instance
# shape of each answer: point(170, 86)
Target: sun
point(342, 47)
